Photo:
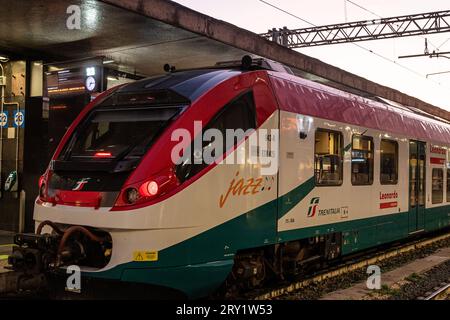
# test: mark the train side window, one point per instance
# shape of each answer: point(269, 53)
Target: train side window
point(437, 187)
point(328, 158)
point(362, 160)
point(239, 114)
point(448, 185)
point(388, 162)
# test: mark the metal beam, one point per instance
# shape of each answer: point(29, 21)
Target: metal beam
point(385, 28)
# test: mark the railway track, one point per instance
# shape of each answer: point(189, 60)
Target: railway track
point(443, 293)
point(350, 266)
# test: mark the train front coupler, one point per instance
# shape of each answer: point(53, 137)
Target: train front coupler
point(37, 255)
point(32, 256)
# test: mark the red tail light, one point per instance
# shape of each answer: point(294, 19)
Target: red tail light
point(147, 191)
point(41, 181)
point(44, 192)
point(43, 187)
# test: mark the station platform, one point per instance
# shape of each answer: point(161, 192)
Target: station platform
point(6, 240)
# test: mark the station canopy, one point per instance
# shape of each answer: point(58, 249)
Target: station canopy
point(38, 29)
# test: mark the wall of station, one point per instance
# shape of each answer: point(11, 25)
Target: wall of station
point(13, 92)
point(39, 103)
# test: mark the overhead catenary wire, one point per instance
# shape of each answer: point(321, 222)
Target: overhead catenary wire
point(355, 44)
point(365, 9)
point(434, 54)
point(443, 43)
point(287, 12)
point(426, 41)
point(437, 73)
point(381, 17)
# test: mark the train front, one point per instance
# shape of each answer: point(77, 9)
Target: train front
point(110, 202)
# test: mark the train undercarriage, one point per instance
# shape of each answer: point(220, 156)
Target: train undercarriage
point(36, 261)
point(255, 268)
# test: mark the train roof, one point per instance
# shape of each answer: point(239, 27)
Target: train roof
point(306, 97)
point(190, 84)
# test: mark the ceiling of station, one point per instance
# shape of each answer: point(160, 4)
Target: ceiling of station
point(37, 29)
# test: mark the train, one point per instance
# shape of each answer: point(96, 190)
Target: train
point(316, 174)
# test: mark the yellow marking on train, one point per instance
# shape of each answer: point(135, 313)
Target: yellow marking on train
point(6, 245)
point(142, 256)
point(3, 257)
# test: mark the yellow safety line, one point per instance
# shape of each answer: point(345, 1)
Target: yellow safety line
point(3, 257)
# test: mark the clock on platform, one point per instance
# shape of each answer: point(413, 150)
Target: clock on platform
point(90, 83)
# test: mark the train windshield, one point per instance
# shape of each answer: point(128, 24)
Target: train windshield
point(116, 134)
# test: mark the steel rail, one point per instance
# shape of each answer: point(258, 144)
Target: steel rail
point(439, 294)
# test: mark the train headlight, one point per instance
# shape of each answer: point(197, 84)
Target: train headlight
point(132, 195)
point(152, 188)
point(146, 192)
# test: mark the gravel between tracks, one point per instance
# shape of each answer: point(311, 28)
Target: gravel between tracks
point(317, 290)
point(424, 284)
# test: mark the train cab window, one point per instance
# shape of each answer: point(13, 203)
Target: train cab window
point(437, 187)
point(117, 134)
point(328, 158)
point(448, 185)
point(362, 160)
point(239, 114)
point(388, 162)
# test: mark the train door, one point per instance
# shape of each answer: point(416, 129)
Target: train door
point(417, 183)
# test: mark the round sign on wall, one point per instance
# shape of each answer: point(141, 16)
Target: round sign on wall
point(19, 119)
point(3, 119)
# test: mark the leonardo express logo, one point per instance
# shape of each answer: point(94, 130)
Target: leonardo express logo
point(314, 210)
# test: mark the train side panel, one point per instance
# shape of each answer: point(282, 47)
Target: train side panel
point(360, 212)
point(437, 213)
point(362, 215)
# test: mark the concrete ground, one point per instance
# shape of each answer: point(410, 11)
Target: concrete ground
point(391, 278)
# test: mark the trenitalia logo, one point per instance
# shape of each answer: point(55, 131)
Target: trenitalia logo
point(80, 184)
point(314, 210)
point(313, 207)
